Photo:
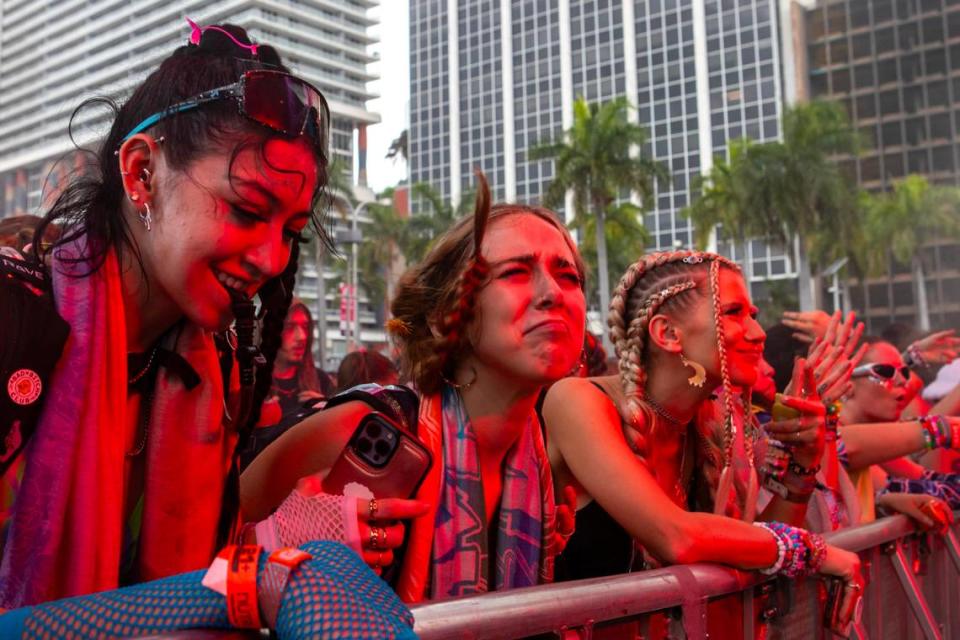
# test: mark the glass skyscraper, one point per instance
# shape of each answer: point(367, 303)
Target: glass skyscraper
point(492, 78)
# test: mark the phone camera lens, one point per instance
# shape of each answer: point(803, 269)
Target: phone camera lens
point(373, 430)
point(364, 445)
point(382, 448)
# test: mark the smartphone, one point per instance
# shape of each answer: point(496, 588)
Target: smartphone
point(382, 456)
point(781, 411)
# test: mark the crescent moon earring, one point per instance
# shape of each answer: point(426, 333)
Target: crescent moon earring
point(699, 373)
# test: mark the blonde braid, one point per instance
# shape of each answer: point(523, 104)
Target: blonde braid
point(729, 426)
point(628, 338)
point(634, 389)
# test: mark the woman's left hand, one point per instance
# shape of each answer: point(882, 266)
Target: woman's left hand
point(805, 433)
point(932, 514)
point(565, 519)
point(940, 347)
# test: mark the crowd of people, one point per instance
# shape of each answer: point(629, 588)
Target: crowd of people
point(168, 441)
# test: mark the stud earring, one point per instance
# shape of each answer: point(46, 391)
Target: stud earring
point(699, 373)
point(134, 196)
point(146, 216)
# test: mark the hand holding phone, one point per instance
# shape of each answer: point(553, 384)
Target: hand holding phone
point(391, 464)
point(381, 456)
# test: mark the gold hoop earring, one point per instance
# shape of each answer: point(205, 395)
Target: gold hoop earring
point(461, 386)
point(699, 373)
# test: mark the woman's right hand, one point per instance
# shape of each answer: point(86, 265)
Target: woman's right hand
point(381, 530)
point(846, 566)
point(370, 527)
point(378, 522)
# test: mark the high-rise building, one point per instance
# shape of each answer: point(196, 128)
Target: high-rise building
point(53, 55)
point(489, 79)
point(895, 67)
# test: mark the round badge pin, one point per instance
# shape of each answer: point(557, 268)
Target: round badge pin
point(24, 386)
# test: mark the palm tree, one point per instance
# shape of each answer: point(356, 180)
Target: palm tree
point(423, 227)
point(626, 239)
point(597, 160)
point(381, 246)
point(398, 148)
point(905, 220)
point(789, 188)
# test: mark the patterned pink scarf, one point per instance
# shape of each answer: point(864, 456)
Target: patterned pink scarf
point(67, 530)
point(461, 554)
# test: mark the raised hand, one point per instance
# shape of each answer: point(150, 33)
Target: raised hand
point(804, 432)
point(940, 347)
point(807, 325)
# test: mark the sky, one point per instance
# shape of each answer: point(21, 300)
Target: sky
point(393, 87)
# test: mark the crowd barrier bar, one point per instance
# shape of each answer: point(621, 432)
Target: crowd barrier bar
point(913, 592)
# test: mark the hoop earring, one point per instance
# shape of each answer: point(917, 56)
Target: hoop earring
point(699, 373)
point(461, 386)
point(146, 216)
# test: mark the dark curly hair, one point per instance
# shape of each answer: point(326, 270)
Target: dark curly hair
point(90, 205)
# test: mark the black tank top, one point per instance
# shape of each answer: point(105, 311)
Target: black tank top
point(598, 547)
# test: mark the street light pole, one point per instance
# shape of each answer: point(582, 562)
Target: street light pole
point(355, 239)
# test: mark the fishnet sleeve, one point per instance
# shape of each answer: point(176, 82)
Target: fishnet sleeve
point(334, 595)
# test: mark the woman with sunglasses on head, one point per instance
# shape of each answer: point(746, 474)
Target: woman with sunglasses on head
point(682, 325)
point(195, 203)
point(493, 314)
point(874, 442)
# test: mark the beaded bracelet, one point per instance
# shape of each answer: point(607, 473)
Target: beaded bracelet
point(781, 550)
point(937, 432)
point(802, 554)
point(913, 358)
point(833, 421)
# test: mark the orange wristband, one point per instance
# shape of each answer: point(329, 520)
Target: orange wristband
point(242, 609)
point(280, 565)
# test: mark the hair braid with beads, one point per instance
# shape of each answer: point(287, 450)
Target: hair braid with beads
point(657, 282)
point(275, 296)
point(453, 323)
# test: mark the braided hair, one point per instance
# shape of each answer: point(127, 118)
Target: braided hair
point(432, 312)
point(275, 298)
point(663, 282)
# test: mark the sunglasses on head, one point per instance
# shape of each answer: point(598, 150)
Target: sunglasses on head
point(275, 99)
point(883, 371)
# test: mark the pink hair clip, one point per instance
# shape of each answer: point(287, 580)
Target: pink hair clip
point(196, 31)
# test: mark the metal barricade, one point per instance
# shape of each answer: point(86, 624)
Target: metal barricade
point(913, 592)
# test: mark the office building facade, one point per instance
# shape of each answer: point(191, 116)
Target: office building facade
point(489, 79)
point(53, 55)
point(895, 66)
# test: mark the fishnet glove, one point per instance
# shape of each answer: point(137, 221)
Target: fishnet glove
point(302, 518)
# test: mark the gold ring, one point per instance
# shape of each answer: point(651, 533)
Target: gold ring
point(374, 537)
point(372, 507)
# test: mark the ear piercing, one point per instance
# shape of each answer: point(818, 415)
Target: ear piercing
point(699, 373)
point(146, 216)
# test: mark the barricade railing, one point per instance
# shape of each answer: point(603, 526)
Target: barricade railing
point(913, 592)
